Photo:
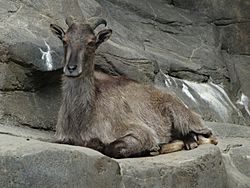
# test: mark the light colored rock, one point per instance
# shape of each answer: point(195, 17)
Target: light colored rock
point(234, 143)
point(30, 163)
point(28, 133)
point(201, 167)
point(227, 130)
point(187, 45)
point(231, 18)
point(43, 164)
point(236, 158)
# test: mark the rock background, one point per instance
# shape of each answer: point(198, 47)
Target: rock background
point(202, 50)
point(200, 41)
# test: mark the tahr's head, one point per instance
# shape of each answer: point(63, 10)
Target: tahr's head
point(80, 43)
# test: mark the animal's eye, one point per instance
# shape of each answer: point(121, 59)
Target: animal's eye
point(91, 43)
point(64, 42)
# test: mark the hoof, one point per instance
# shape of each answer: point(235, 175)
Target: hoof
point(155, 150)
point(191, 145)
point(209, 140)
point(190, 141)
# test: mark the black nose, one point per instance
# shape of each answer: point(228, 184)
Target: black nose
point(71, 68)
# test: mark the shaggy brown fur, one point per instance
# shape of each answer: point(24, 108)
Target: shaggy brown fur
point(115, 115)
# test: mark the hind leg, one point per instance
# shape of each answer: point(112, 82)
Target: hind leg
point(188, 143)
point(193, 133)
point(123, 147)
point(190, 128)
point(192, 140)
point(183, 120)
point(131, 145)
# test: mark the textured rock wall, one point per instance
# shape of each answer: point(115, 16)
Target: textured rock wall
point(202, 48)
point(194, 40)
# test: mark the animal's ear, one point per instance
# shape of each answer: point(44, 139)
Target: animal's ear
point(103, 36)
point(57, 30)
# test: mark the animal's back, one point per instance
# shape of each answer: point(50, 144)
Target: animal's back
point(124, 106)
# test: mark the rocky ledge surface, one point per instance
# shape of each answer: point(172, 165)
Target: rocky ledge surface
point(29, 158)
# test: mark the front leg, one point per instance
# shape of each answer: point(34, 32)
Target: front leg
point(176, 145)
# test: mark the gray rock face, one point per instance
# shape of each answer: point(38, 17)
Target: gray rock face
point(30, 163)
point(27, 162)
point(202, 50)
point(202, 168)
point(191, 40)
point(234, 145)
point(231, 18)
point(236, 159)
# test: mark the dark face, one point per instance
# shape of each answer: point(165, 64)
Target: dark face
point(80, 43)
point(79, 46)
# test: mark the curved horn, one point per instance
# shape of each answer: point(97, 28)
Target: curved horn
point(96, 21)
point(69, 20)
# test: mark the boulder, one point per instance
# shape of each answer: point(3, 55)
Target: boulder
point(193, 41)
point(235, 153)
point(231, 18)
point(30, 163)
point(234, 145)
point(29, 159)
point(201, 167)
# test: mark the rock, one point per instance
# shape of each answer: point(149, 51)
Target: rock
point(229, 130)
point(216, 10)
point(235, 37)
point(208, 99)
point(34, 109)
point(234, 149)
point(27, 162)
point(234, 145)
point(30, 163)
point(235, 153)
point(206, 166)
point(239, 90)
point(191, 41)
point(201, 167)
point(28, 133)
point(231, 18)
point(25, 84)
